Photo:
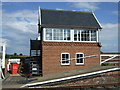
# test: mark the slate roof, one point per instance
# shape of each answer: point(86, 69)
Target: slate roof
point(70, 19)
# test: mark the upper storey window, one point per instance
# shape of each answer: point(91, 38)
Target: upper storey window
point(93, 35)
point(49, 34)
point(71, 35)
point(57, 34)
point(66, 34)
point(85, 35)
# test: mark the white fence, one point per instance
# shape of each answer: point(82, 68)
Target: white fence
point(110, 58)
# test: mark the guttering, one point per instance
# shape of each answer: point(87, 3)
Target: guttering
point(72, 77)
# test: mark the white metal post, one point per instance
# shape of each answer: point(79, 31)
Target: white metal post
point(80, 36)
point(3, 56)
point(44, 34)
point(72, 34)
point(90, 35)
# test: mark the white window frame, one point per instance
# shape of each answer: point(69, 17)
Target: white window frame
point(71, 36)
point(97, 35)
point(90, 35)
point(61, 59)
point(76, 59)
point(80, 36)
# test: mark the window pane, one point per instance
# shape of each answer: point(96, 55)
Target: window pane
point(77, 60)
point(93, 35)
point(63, 62)
point(61, 34)
point(66, 34)
point(75, 35)
point(82, 36)
point(85, 35)
point(81, 61)
point(48, 34)
point(81, 55)
point(63, 55)
point(33, 53)
point(38, 52)
point(77, 55)
point(79, 36)
point(55, 34)
point(67, 61)
point(67, 56)
point(58, 34)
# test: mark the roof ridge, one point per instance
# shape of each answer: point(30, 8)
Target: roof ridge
point(68, 11)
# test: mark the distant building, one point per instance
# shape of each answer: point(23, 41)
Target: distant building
point(68, 40)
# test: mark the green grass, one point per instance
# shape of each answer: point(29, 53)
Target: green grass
point(107, 64)
point(15, 56)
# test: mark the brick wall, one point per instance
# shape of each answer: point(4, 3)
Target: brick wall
point(51, 55)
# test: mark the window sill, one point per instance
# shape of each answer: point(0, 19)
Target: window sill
point(69, 41)
point(65, 64)
point(81, 64)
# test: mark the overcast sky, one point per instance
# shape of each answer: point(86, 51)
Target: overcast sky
point(19, 22)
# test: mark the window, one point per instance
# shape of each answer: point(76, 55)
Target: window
point(93, 35)
point(79, 58)
point(66, 34)
point(57, 34)
point(79, 35)
point(35, 52)
point(75, 35)
point(38, 52)
point(65, 57)
point(49, 34)
point(85, 35)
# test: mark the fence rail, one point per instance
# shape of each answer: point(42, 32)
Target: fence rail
point(110, 58)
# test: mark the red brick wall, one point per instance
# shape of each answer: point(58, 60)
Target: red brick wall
point(51, 55)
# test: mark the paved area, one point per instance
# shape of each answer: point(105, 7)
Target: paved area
point(13, 82)
point(16, 81)
point(71, 73)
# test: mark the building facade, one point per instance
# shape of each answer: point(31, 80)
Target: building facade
point(69, 40)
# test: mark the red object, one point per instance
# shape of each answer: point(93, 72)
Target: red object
point(14, 68)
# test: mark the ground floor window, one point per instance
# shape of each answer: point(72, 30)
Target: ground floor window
point(65, 59)
point(79, 58)
point(35, 52)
